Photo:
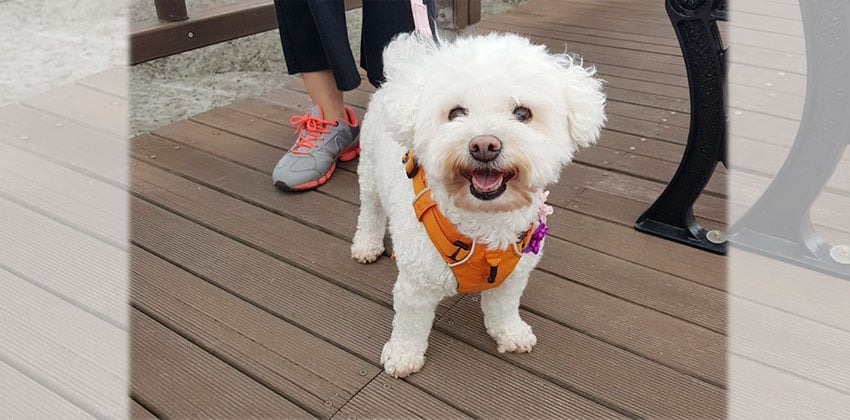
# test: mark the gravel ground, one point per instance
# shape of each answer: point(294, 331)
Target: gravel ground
point(47, 43)
point(173, 88)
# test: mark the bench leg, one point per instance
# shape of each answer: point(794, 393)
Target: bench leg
point(779, 224)
point(671, 216)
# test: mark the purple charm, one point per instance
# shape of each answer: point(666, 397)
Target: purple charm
point(536, 238)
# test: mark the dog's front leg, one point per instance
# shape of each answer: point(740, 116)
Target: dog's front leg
point(414, 308)
point(501, 316)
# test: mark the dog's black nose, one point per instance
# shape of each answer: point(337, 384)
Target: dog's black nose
point(485, 148)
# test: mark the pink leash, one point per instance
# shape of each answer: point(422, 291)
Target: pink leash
point(420, 17)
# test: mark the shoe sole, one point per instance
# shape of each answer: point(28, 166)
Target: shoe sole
point(346, 156)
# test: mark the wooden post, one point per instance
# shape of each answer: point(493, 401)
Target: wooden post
point(457, 14)
point(171, 10)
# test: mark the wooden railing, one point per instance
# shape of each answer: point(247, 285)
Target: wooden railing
point(177, 32)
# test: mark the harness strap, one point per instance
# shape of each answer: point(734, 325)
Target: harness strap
point(456, 249)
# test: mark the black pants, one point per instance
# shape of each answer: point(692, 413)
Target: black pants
point(315, 37)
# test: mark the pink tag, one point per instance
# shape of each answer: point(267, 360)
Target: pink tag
point(420, 17)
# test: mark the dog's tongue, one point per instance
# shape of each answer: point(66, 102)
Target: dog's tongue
point(486, 181)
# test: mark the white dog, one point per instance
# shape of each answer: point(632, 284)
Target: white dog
point(490, 121)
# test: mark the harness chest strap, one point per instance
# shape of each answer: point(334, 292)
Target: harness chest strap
point(475, 266)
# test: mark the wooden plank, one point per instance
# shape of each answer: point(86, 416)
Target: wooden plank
point(391, 398)
point(790, 343)
point(563, 30)
point(645, 167)
point(68, 263)
point(516, 392)
point(777, 284)
point(594, 20)
point(87, 204)
point(150, 41)
point(21, 397)
point(759, 39)
point(288, 360)
point(264, 108)
point(600, 54)
point(179, 379)
point(114, 81)
point(625, 109)
point(316, 306)
point(474, 11)
point(776, 79)
point(651, 99)
point(139, 412)
point(630, 245)
point(663, 29)
point(665, 39)
point(637, 13)
point(289, 292)
point(156, 40)
point(625, 210)
point(280, 135)
point(86, 150)
point(708, 207)
point(65, 349)
point(294, 243)
point(765, 160)
point(827, 211)
point(767, 8)
point(613, 375)
point(212, 140)
point(763, 392)
point(771, 103)
point(764, 128)
point(672, 342)
point(665, 293)
point(337, 216)
point(794, 63)
point(91, 108)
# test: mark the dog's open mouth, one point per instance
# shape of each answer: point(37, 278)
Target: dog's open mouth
point(488, 184)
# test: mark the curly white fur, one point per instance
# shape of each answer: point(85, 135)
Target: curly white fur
point(490, 76)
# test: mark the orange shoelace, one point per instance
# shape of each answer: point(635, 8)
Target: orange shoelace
point(311, 129)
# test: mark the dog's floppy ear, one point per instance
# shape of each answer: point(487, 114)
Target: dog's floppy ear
point(585, 100)
point(405, 76)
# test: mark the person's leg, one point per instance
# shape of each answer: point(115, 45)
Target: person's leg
point(323, 91)
point(315, 44)
point(383, 20)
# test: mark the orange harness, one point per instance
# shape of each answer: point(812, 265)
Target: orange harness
point(475, 266)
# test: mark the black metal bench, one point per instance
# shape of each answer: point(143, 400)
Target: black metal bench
point(671, 216)
point(779, 224)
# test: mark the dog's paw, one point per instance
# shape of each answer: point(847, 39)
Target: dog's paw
point(399, 361)
point(365, 254)
point(515, 340)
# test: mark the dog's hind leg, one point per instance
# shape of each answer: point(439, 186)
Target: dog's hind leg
point(368, 243)
point(501, 316)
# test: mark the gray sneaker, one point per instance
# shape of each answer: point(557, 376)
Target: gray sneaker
point(320, 143)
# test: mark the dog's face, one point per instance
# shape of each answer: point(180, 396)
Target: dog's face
point(492, 118)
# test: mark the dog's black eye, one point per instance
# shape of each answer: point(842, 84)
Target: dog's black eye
point(457, 111)
point(522, 114)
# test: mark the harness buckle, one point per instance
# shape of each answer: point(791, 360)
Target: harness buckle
point(460, 246)
point(411, 166)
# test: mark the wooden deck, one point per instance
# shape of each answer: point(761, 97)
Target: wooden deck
point(233, 279)
point(245, 303)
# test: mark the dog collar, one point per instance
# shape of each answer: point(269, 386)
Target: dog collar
point(475, 266)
